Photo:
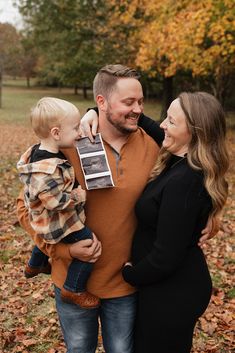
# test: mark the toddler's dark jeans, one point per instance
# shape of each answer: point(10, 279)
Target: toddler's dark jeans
point(78, 271)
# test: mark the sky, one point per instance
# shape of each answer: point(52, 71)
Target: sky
point(9, 13)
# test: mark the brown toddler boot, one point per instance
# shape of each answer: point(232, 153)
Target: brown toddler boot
point(85, 300)
point(31, 271)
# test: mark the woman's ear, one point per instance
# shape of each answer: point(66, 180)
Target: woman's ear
point(55, 133)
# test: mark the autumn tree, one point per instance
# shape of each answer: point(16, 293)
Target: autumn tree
point(189, 35)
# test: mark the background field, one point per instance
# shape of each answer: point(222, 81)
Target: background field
point(28, 320)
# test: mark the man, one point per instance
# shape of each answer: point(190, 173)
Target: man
point(110, 215)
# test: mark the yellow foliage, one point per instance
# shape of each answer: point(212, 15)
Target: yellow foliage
point(185, 34)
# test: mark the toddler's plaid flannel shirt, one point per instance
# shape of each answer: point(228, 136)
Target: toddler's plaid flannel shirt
point(54, 210)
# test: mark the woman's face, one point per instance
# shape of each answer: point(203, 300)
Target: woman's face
point(177, 135)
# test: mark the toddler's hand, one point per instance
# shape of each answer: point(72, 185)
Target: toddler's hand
point(78, 194)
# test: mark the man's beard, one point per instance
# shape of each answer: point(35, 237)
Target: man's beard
point(123, 129)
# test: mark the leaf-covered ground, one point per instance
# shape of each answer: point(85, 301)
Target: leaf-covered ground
point(28, 321)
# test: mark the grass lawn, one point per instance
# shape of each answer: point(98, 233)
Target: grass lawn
point(28, 321)
point(18, 100)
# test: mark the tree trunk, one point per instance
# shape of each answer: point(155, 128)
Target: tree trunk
point(146, 91)
point(28, 81)
point(221, 87)
point(167, 95)
point(0, 87)
point(76, 90)
point(84, 89)
point(220, 84)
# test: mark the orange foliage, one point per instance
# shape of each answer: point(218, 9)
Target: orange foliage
point(190, 35)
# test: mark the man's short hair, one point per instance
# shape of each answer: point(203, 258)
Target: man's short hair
point(48, 113)
point(107, 77)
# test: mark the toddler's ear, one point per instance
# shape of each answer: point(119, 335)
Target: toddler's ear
point(55, 133)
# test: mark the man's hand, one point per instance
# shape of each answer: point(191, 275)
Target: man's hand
point(89, 125)
point(87, 250)
point(212, 228)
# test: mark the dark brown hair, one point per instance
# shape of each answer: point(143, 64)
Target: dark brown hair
point(107, 77)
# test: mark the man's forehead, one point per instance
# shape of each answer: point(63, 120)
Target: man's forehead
point(128, 87)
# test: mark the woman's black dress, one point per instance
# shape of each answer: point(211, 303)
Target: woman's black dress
point(169, 268)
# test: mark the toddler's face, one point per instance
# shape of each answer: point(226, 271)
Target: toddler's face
point(69, 131)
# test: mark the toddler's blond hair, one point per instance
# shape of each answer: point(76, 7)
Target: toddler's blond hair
point(48, 113)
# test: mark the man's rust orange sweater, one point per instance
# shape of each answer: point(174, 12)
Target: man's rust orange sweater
point(109, 214)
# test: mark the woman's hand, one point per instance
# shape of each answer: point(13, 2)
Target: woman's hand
point(88, 250)
point(89, 124)
point(212, 228)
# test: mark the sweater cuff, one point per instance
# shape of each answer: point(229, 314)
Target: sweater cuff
point(127, 274)
point(95, 109)
point(60, 250)
point(141, 274)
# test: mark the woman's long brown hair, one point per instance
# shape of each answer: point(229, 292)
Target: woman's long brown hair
point(207, 149)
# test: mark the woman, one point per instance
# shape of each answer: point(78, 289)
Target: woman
point(187, 186)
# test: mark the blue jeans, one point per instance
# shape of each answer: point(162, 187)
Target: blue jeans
point(80, 326)
point(38, 258)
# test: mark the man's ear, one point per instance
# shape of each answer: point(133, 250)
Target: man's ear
point(101, 102)
point(55, 133)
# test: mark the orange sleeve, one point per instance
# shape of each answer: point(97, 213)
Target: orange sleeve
point(59, 250)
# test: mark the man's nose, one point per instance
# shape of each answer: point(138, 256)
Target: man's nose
point(137, 108)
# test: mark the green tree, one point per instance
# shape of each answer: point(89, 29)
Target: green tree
point(76, 37)
point(29, 58)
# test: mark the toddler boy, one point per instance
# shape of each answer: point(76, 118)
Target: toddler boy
point(53, 197)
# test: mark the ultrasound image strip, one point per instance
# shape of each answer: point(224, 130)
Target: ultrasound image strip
point(94, 163)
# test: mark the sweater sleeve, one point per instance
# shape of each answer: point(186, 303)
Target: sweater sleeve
point(179, 210)
point(151, 128)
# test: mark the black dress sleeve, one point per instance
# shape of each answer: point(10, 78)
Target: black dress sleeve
point(151, 128)
point(95, 109)
point(179, 210)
